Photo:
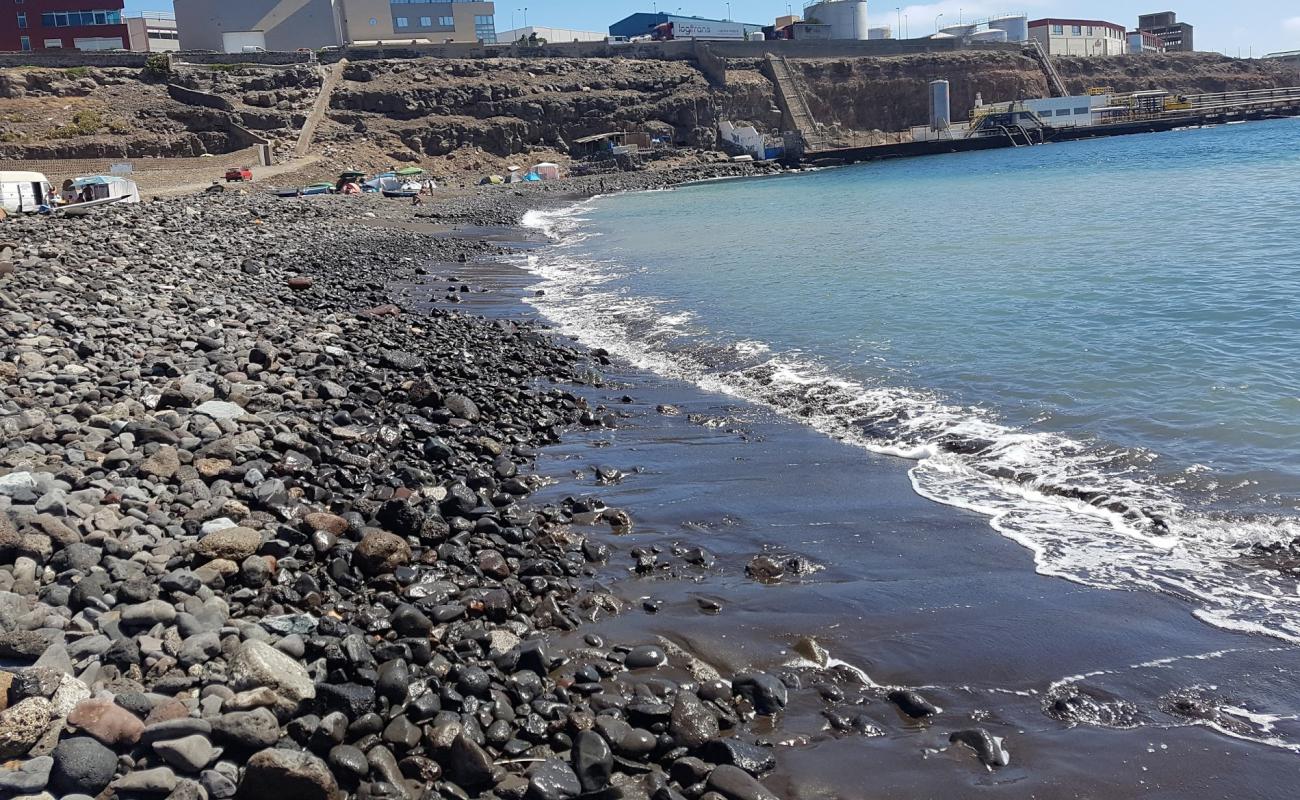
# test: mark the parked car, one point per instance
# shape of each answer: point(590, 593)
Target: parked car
point(239, 174)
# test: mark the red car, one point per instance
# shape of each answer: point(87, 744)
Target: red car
point(239, 174)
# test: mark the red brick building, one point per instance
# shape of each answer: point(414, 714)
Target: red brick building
point(65, 24)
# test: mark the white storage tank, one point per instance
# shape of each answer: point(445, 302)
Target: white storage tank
point(885, 32)
point(940, 106)
point(1017, 27)
point(989, 35)
point(847, 18)
point(958, 30)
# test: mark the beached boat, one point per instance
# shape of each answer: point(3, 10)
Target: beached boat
point(315, 188)
point(87, 206)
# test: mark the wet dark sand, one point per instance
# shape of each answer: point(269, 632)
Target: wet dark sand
point(913, 593)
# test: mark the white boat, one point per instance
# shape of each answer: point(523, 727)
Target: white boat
point(86, 206)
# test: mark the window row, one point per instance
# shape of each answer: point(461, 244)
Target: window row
point(72, 19)
point(1078, 30)
point(425, 22)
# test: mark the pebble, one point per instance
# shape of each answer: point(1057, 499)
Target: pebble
point(82, 766)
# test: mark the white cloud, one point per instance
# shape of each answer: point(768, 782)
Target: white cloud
point(1292, 24)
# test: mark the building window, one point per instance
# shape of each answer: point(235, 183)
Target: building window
point(402, 22)
point(1058, 30)
point(446, 22)
point(1081, 110)
point(1076, 30)
point(426, 22)
point(53, 44)
point(73, 19)
point(1062, 112)
point(24, 43)
point(22, 21)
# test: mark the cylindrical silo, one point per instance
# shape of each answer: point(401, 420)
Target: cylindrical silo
point(847, 18)
point(1017, 27)
point(958, 30)
point(885, 32)
point(989, 35)
point(940, 108)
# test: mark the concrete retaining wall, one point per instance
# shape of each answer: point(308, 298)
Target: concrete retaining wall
point(58, 169)
point(55, 59)
point(194, 97)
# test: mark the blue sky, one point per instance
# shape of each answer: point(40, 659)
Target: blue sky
point(1248, 26)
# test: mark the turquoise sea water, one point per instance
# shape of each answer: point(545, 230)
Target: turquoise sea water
point(1096, 344)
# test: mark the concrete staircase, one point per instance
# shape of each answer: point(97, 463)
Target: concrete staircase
point(793, 103)
point(332, 75)
point(1054, 82)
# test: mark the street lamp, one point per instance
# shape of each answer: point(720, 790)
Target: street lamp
point(899, 11)
point(936, 22)
point(728, 5)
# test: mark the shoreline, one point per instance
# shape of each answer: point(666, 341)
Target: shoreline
point(1142, 623)
point(566, 560)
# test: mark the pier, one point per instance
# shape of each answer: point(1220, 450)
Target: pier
point(1016, 124)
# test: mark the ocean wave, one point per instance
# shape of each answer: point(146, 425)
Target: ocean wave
point(1087, 513)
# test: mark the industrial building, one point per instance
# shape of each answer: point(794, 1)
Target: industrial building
point(1291, 57)
point(846, 19)
point(1079, 37)
point(1176, 35)
point(550, 35)
point(1143, 42)
point(234, 26)
point(49, 25)
point(153, 32)
point(643, 23)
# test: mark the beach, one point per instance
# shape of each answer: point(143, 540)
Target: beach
point(300, 497)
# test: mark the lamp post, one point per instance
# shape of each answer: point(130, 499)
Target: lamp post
point(898, 10)
point(936, 22)
point(728, 5)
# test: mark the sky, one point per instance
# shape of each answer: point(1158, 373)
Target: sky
point(1248, 27)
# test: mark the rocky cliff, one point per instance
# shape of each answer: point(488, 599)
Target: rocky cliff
point(477, 113)
point(890, 93)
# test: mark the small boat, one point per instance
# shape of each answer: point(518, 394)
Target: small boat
point(86, 206)
point(398, 192)
point(315, 188)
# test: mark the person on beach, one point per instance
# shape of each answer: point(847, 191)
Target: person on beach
point(68, 193)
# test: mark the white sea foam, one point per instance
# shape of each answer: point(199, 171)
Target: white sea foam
point(1086, 515)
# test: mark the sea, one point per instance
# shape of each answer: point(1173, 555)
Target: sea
point(1094, 345)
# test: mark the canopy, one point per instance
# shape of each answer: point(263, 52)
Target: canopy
point(352, 173)
point(410, 171)
point(96, 180)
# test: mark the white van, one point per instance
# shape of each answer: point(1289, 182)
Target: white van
point(25, 192)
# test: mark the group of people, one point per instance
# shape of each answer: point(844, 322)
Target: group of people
point(69, 193)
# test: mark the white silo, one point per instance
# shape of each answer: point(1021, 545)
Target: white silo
point(958, 30)
point(1016, 26)
point(885, 32)
point(989, 35)
point(847, 18)
point(940, 106)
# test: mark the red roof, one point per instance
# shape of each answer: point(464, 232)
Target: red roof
point(1095, 23)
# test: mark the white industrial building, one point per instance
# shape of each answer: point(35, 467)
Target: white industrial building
point(554, 35)
point(1079, 37)
point(847, 18)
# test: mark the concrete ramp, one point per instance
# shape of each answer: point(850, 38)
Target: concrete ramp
point(333, 74)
